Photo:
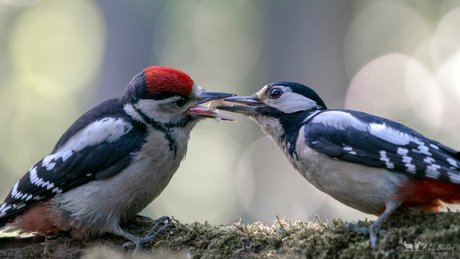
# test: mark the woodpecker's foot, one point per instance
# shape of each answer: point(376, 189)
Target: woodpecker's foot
point(360, 230)
point(162, 225)
point(372, 230)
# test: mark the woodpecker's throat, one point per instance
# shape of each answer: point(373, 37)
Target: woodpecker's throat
point(282, 127)
point(167, 128)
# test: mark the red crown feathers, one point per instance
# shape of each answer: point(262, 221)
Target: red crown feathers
point(166, 79)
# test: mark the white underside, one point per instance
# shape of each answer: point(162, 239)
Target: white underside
point(100, 205)
point(364, 188)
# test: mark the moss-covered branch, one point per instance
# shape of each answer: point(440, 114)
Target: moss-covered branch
point(435, 235)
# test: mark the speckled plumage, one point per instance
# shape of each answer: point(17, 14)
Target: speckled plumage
point(367, 162)
point(113, 161)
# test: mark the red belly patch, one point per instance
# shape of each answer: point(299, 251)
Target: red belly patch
point(426, 194)
point(38, 218)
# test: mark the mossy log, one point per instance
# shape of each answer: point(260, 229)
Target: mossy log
point(431, 235)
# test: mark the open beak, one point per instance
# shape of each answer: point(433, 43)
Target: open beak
point(241, 104)
point(200, 111)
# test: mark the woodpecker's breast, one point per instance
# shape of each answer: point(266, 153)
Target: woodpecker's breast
point(361, 187)
point(102, 204)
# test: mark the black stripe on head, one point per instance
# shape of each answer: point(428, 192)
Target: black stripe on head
point(300, 89)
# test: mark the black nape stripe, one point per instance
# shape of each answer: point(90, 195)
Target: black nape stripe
point(166, 128)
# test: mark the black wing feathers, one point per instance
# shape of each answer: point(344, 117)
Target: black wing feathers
point(416, 155)
point(100, 161)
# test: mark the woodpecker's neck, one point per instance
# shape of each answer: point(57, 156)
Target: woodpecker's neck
point(170, 129)
point(283, 128)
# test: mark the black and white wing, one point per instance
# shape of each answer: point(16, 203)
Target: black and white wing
point(97, 146)
point(362, 138)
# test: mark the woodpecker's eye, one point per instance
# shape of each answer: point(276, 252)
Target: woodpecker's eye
point(180, 103)
point(275, 93)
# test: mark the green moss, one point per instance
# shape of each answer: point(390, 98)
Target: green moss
point(298, 239)
point(284, 239)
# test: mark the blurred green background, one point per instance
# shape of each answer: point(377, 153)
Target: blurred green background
point(398, 59)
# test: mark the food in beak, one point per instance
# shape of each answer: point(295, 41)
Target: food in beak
point(201, 111)
point(214, 105)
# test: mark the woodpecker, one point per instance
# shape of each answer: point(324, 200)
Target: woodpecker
point(369, 163)
point(112, 161)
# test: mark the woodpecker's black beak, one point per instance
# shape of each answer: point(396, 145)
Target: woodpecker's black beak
point(209, 96)
point(202, 112)
point(241, 104)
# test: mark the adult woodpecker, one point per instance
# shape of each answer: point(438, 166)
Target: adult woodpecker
point(369, 163)
point(113, 161)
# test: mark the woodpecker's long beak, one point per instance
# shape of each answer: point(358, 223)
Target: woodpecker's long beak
point(241, 104)
point(200, 111)
point(209, 96)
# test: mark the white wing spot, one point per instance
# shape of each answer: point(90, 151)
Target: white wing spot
point(429, 160)
point(402, 151)
point(348, 148)
point(433, 170)
point(34, 179)
point(406, 159)
point(67, 154)
point(434, 146)
point(3, 209)
point(422, 149)
point(384, 158)
point(452, 162)
point(352, 152)
point(410, 168)
point(49, 186)
point(14, 192)
point(340, 120)
point(57, 190)
point(50, 166)
point(107, 129)
point(21, 205)
point(391, 135)
point(455, 178)
point(17, 194)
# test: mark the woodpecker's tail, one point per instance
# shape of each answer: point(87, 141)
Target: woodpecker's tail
point(4, 218)
point(3, 222)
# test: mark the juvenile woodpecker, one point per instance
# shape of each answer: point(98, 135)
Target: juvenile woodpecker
point(113, 161)
point(369, 163)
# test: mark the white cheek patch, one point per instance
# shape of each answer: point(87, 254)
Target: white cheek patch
point(340, 120)
point(129, 109)
point(290, 102)
point(158, 110)
point(392, 135)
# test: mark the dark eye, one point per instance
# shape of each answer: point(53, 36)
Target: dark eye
point(275, 93)
point(180, 103)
